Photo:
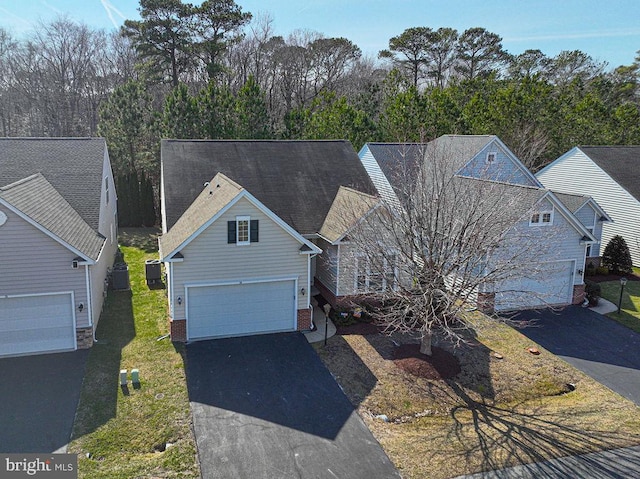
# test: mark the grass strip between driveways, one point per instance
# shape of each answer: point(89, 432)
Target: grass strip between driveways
point(630, 308)
point(137, 432)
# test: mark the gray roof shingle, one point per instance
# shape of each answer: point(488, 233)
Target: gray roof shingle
point(36, 198)
point(622, 163)
point(73, 166)
point(297, 180)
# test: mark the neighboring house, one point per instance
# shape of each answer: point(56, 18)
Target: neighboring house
point(248, 227)
point(58, 237)
point(557, 262)
point(609, 174)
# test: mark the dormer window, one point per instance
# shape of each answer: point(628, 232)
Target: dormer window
point(541, 219)
point(491, 157)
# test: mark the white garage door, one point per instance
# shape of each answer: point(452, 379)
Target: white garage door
point(553, 285)
point(36, 324)
point(240, 309)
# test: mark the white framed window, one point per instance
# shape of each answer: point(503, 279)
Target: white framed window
point(242, 230)
point(541, 218)
point(106, 188)
point(491, 157)
point(369, 278)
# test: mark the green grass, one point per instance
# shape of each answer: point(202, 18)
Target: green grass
point(630, 308)
point(123, 434)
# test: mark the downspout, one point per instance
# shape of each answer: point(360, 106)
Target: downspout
point(89, 304)
point(309, 257)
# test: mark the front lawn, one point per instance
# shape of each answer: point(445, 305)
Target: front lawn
point(507, 406)
point(135, 432)
point(630, 311)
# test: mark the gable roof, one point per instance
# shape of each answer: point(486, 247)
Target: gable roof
point(622, 163)
point(73, 166)
point(347, 208)
point(216, 197)
point(297, 180)
point(35, 199)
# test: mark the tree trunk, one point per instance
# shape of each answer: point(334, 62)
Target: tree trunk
point(425, 345)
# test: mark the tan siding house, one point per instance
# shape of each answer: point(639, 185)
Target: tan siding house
point(57, 241)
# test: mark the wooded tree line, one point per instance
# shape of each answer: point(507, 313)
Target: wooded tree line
point(213, 71)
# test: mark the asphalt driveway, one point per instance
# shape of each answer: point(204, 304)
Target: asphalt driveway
point(38, 400)
point(602, 348)
point(265, 406)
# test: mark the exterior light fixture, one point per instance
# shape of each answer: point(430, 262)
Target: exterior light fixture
point(623, 282)
point(179, 300)
point(81, 307)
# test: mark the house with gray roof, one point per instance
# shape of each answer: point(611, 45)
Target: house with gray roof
point(549, 229)
point(58, 238)
point(251, 228)
point(611, 176)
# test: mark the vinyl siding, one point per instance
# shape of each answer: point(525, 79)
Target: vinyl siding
point(557, 242)
point(327, 265)
point(31, 262)
point(107, 226)
point(378, 178)
point(209, 258)
point(503, 168)
point(590, 219)
point(576, 173)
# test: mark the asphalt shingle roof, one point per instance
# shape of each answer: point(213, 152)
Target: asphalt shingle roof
point(213, 198)
point(73, 166)
point(36, 198)
point(348, 206)
point(572, 202)
point(297, 180)
point(622, 163)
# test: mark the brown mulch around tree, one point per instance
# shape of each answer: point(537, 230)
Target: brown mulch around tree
point(440, 365)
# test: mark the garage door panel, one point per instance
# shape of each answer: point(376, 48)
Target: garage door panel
point(240, 309)
point(553, 284)
point(34, 324)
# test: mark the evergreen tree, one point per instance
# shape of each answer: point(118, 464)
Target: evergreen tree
point(181, 115)
point(253, 119)
point(617, 256)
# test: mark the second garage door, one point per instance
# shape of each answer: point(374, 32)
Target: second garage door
point(36, 324)
point(553, 285)
point(240, 309)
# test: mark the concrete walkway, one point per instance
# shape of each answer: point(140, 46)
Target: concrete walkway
point(604, 307)
point(613, 464)
point(317, 335)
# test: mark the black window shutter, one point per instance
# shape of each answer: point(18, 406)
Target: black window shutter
point(231, 232)
point(253, 231)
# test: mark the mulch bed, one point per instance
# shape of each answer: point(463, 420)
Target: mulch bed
point(441, 365)
point(599, 278)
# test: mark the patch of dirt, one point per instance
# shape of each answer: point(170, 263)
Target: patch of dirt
point(440, 365)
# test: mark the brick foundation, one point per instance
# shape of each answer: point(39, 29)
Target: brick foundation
point(335, 301)
point(578, 294)
point(486, 302)
point(84, 338)
point(304, 319)
point(178, 329)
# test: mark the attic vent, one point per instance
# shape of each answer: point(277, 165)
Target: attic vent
point(3, 218)
point(491, 157)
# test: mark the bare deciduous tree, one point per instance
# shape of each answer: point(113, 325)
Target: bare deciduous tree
point(439, 244)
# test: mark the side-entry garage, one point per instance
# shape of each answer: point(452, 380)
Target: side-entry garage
point(37, 324)
point(240, 308)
